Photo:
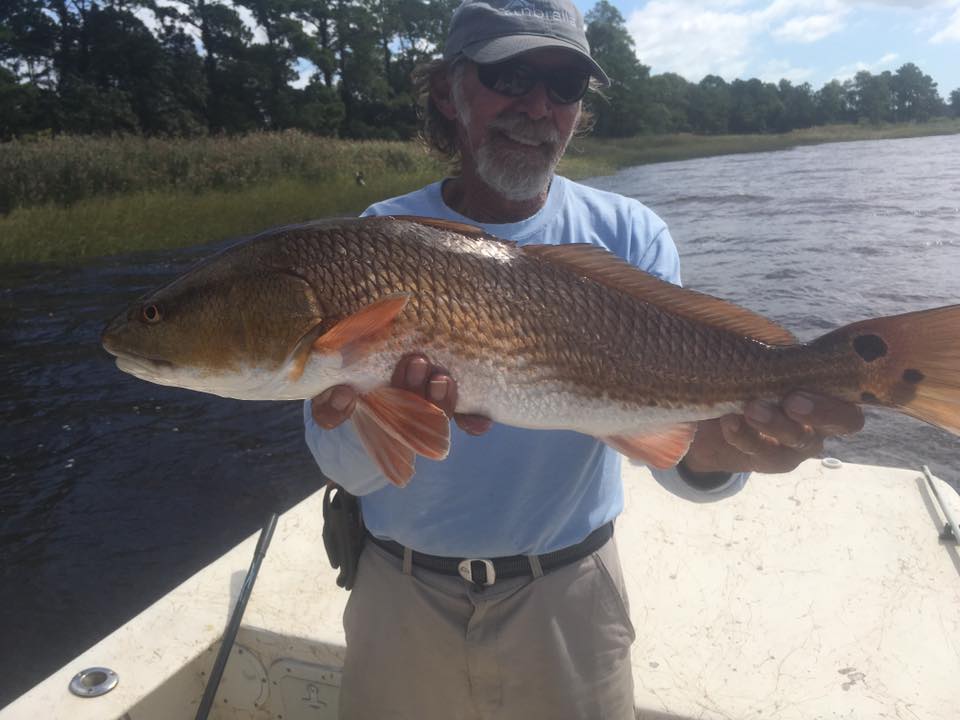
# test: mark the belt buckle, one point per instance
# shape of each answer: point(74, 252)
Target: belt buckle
point(466, 571)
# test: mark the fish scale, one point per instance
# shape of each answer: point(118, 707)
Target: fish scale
point(538, 336)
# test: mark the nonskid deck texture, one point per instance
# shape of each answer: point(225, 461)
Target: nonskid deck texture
point(823, 593)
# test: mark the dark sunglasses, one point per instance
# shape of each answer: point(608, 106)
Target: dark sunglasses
point(512, 78)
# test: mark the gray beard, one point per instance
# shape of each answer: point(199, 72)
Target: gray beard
point(513, 174)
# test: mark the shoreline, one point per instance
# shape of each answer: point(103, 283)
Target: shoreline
point(149, 220)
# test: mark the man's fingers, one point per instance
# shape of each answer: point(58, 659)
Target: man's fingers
point(473, 424)
point(334, 405)
point(442, 392)
point(411, 373)
point(826, 415)
point(770, 420)
point(739, 435)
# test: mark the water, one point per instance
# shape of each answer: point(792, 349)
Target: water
point(817, 237)
point(113, 491)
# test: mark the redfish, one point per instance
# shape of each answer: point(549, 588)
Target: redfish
point(537, 336)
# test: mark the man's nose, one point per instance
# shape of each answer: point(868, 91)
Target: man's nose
point(535, 104)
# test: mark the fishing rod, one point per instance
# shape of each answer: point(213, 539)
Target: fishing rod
point(230, 635)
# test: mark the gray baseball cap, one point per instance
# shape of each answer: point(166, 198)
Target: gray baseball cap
point(489, 31)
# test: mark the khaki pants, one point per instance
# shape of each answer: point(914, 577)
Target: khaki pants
point(426, 646)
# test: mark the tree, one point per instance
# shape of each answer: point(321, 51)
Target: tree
point(915, 95)
point(831, 104)
point(710, 105)
point(756, 106)
point(799, 110)
point(621, 110)
point(955, 103)
point(870, 97)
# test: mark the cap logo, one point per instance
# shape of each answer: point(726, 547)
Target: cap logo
point(522, 8)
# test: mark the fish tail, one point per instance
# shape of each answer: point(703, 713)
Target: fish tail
point(909, 362)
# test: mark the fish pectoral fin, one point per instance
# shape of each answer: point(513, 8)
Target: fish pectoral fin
point(661, 448)
point(356, 335)
point(394, 425)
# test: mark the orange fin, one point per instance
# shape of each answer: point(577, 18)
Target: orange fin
point(354, 336)
point(599, 264)
point(395, 424)
point(911, 363)
point(661, 448)
point(394, 459)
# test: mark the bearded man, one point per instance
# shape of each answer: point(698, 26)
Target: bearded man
point(491, 586)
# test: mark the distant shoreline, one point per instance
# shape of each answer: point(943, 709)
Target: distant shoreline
point(162, 194)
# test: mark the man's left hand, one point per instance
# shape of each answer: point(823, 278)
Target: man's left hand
point(771, 438)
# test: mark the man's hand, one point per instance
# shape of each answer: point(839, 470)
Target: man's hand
point(413, 373)
point(771, 438)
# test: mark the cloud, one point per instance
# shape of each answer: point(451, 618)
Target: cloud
point(720, 37)
point(776, 70)
point(848, 71)
point(951, 31)
point(810, 29)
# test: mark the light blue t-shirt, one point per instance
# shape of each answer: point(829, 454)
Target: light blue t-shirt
point(511, 491)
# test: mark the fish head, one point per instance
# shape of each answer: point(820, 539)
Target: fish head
point(226, 327)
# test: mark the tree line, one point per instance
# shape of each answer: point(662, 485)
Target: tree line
point(342, 68)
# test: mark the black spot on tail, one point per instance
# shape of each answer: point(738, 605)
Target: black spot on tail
point(868, 397)
point(913, 376)
point(870, 347)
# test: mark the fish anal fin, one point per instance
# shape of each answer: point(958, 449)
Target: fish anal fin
point(661, 448)
point(599, 264)
point(410, 419)
point(355, 335)
point(394, 425)
point(395, 460)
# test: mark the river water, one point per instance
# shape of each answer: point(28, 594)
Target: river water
point(113, 491)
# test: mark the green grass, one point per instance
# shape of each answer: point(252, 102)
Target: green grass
point(98, 197)
point(166, 219)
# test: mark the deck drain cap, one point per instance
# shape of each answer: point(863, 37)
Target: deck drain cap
point(832, 463)
point(94, 682)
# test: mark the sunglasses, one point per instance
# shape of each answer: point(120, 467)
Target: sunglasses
point(512, 78)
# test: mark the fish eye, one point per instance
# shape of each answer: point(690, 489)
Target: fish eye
point(151, 313)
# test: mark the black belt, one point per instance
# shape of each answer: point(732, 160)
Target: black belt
point(483, 572)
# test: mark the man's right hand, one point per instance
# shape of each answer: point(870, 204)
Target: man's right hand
point(413, 373)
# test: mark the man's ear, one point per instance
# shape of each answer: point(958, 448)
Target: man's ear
point(441, 92)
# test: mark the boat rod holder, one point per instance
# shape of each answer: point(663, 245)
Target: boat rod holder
point(230, 634)
point(950, 529)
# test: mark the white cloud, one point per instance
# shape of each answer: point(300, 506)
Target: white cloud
point(701, 37)
point(776, 70)
point(848, 71)
point(951, 31)
point(811, 28)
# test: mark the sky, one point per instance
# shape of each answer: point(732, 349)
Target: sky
point(811, 41)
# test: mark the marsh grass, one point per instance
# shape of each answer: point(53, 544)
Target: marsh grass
point(66, 170)
point(167, 219)
point(76, 198)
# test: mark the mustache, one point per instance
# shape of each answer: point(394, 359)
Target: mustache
point(521, 126)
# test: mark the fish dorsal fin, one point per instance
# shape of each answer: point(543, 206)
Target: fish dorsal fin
point(448, 225)
point(661, 449)
point(599, 264)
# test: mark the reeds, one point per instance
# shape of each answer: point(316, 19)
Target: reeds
point(65, 170)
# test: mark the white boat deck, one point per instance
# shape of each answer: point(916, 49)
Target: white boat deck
point(824, 593)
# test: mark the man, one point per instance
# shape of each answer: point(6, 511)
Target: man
point(549, 636)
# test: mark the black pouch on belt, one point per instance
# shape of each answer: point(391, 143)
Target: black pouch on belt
point(343, 533)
